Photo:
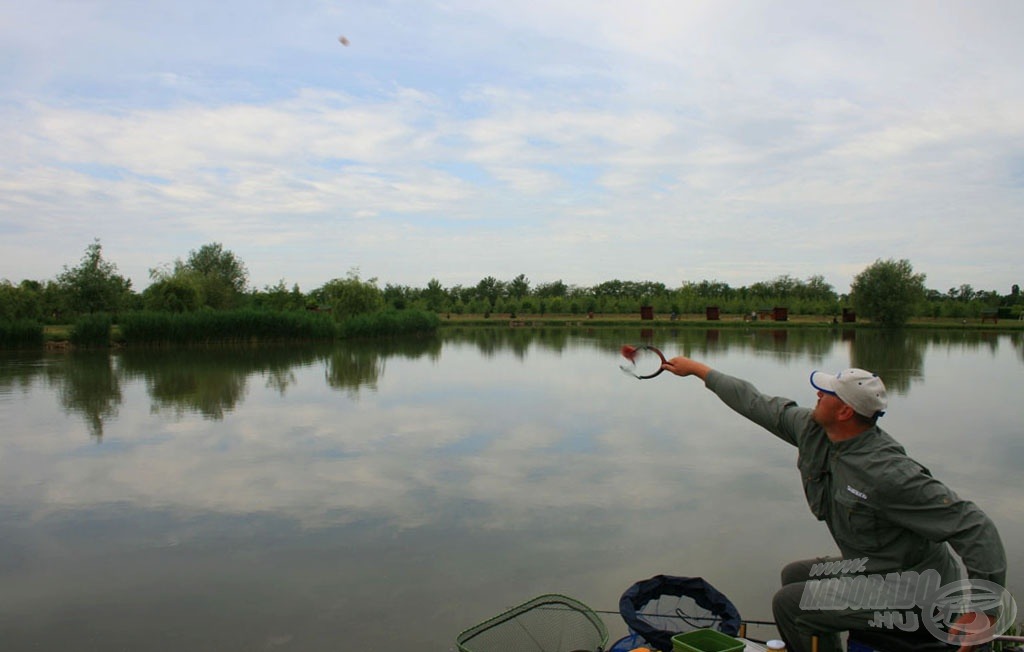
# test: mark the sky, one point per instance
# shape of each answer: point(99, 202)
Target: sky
point(581, 141)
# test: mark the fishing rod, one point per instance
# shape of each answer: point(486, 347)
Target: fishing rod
point(684, 616)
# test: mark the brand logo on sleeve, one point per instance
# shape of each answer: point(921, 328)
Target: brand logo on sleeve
point(857, 493)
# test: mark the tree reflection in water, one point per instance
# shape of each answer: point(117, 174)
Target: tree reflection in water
point(213, 381)
point(88, 384)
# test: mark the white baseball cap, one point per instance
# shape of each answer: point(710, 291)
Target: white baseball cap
point(861, 390)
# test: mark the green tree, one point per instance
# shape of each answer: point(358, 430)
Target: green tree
point(490, 289)
point(554, 289)
point(519, 287)
point(888, 291)
point(614, 288)
point(213, 260)
point(221, 274)
point(278, 297)
point(177, 293)
point(22, 301)
point(818, 289)
point(399, 297)
point(95, 285)
point(434, 295)
point(350, 296)
point(54, 302)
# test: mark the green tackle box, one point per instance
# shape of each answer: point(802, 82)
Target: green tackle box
point(706, 640)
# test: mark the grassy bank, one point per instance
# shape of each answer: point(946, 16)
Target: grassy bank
point(701, 321)
point(255, 326)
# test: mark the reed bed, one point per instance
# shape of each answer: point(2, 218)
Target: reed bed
point(225, 326)
point(20, 333)
point(92, 330)
point(210, 327)
point(388, 323)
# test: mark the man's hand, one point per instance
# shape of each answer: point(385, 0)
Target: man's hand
point(683, 366)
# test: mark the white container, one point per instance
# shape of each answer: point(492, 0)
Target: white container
point(776, 645)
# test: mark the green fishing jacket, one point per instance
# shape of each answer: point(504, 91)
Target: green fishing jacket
point(879, 504)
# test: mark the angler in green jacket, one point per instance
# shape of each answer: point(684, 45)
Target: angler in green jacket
point(890, 518)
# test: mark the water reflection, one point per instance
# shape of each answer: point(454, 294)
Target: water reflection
point(779, 344)
point(196, 383)
point(210, 381)
point(491, 341)
point(353, 366)
point(894, 356)
point(88, 385)
point(253, 498)
point(213, 382)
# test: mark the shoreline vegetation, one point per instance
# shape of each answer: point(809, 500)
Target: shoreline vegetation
point(207, 299)
point(212, 327)
point(724, 321)
point(267, 327)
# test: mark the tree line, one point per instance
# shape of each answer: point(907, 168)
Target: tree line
point(214, 278)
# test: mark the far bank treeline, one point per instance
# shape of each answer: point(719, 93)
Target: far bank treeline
point(209, 293)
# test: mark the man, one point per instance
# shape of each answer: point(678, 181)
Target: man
point(886, 513)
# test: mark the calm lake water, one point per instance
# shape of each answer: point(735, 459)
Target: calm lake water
point(387, 496)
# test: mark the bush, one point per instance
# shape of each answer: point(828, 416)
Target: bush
point(350, 296)
point(179, 293)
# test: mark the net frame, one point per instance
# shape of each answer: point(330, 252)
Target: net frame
point(631, 352)
point(546, 623)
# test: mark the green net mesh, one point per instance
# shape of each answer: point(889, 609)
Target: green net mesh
point(547, 623)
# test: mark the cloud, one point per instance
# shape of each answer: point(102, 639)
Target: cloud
point(533, 132)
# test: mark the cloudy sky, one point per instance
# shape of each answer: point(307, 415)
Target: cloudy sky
point(565, 139)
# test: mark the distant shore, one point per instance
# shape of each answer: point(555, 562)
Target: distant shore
point(57, 336)
point(701, 321)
